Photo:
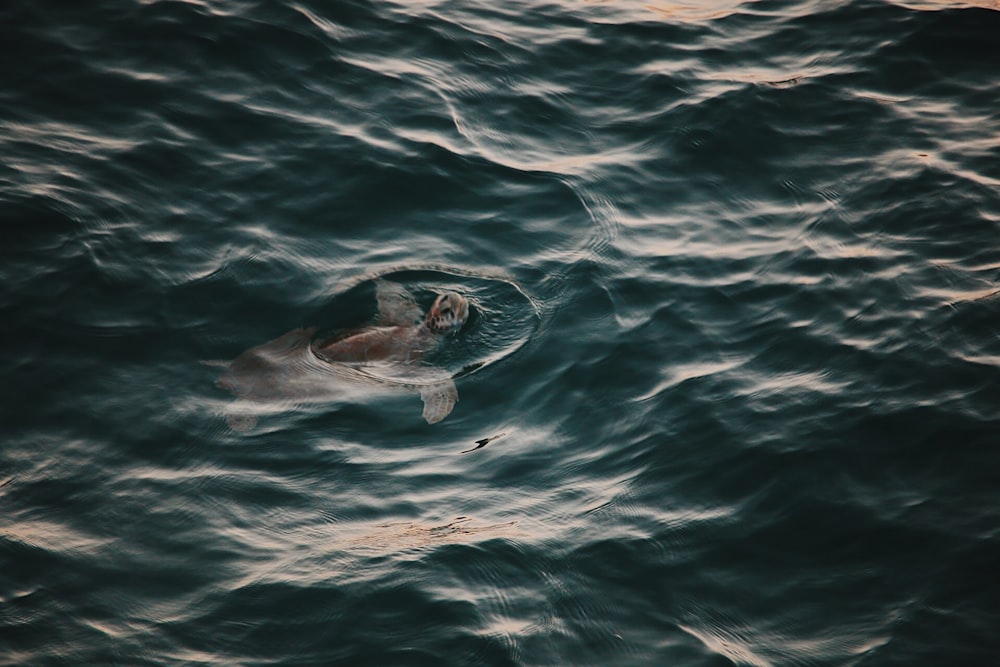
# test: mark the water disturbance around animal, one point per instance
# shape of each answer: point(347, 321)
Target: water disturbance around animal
point(727, 391)
point(503, 316)
point(296, 367)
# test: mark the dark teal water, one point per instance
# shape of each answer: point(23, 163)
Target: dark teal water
point(734, 270)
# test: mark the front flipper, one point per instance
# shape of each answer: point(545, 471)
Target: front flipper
point(439, 400)
point(396, 306)
point(241, 423)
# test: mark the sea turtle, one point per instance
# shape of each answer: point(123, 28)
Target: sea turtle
point(387, 354)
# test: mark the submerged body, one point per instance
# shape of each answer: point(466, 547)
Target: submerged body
point(294, 367)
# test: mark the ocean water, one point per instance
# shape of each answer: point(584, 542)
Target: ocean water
point(730, 389)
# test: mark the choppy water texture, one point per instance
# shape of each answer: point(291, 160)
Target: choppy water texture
point(735, 273)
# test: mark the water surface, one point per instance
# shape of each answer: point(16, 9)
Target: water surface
point(734, 269)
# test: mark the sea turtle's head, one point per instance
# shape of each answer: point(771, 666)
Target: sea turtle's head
point(448, 314)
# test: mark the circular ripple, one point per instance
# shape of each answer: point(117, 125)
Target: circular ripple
point(502, 316)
